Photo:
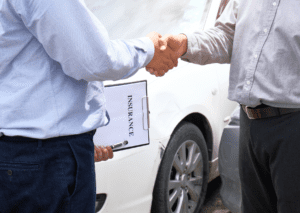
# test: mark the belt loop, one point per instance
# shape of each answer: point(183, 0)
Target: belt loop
point(40, 142)
point(278, 112)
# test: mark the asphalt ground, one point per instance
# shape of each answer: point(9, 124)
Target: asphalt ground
point(213, 202)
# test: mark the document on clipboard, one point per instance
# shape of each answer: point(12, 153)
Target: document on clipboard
point(127, 105)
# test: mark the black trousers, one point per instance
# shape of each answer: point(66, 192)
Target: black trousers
point(269, 163)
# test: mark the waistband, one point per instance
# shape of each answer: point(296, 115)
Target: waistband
point(27, 139)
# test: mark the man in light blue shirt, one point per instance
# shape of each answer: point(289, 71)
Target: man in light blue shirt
point(55, 54)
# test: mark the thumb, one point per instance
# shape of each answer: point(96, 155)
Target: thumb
point(171, 41)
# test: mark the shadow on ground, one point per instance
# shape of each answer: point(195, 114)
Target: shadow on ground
point(213, 202)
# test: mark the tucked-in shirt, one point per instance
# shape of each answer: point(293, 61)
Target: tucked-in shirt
point(261, 40)
point(55, 55)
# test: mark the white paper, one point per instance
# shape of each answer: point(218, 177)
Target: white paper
point(127, 105)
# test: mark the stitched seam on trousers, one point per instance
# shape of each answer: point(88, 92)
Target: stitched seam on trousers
point(77, 169)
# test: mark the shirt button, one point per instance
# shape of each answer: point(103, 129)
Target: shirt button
point(266, 30)
point(248, 82)
point(274, 4)
point(255, 56)
point(9, 172)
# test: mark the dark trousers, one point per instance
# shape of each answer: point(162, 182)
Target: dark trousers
point(55, 175)
point(269, 163)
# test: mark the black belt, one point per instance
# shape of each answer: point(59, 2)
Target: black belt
point(266, 111)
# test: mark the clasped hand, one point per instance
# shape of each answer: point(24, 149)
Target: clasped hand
point(168, 49)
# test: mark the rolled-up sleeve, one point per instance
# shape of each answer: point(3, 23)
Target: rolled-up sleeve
point(215, 44)
point(74, 37)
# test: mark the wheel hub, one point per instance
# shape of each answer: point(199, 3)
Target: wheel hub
point(184, 179)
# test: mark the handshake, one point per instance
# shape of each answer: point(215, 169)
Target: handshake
point(167, 51)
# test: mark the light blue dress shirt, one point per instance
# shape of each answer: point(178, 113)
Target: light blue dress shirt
point(54, 56)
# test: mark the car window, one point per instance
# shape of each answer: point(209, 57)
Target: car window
point(136, 18)
point(222, 7)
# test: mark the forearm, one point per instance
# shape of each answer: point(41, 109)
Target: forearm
point(212, 46)
point(120, 59)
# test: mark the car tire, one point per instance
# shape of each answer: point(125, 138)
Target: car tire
point(180, 188)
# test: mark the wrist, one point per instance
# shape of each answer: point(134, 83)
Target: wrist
point(183, 44)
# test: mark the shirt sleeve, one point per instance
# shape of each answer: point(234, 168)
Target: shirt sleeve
point(74, 37)
point(214, 45)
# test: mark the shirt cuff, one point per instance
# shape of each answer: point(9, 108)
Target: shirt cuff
point(190, 40)
point(149, 48)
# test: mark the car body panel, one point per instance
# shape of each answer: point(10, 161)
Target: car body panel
point(228, 165)
point(128, 179)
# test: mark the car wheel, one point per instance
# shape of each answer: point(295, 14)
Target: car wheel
point(182, 178)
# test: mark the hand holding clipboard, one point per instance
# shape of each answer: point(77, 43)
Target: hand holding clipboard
point(103, 153)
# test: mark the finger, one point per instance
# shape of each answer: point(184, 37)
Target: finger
point(99, 153)
point(148, 69)
point(166, 59)
point(153, 72)
point(110, 152)
point(163, 44)
point(166, 38)
point(95, 155)
point(104, 154)
point(163, 47)
point(167, 64)
point(162, 73)
point(159, 73)
point(173, 57)
point(162, 67)
point(171, 42)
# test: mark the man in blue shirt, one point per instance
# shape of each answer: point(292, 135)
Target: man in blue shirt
point(55, 55)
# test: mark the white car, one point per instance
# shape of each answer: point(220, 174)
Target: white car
point(188, 112)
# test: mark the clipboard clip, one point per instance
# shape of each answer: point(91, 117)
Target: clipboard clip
point(145, 107)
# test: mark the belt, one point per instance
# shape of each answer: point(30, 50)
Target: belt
point(267, 111)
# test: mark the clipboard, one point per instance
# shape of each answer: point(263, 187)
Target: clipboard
point(127, 105)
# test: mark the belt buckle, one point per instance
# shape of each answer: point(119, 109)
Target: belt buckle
point(1, 134)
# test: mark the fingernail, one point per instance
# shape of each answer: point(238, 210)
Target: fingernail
point(163, 47)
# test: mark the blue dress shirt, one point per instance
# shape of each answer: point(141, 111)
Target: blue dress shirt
point(54, 56)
